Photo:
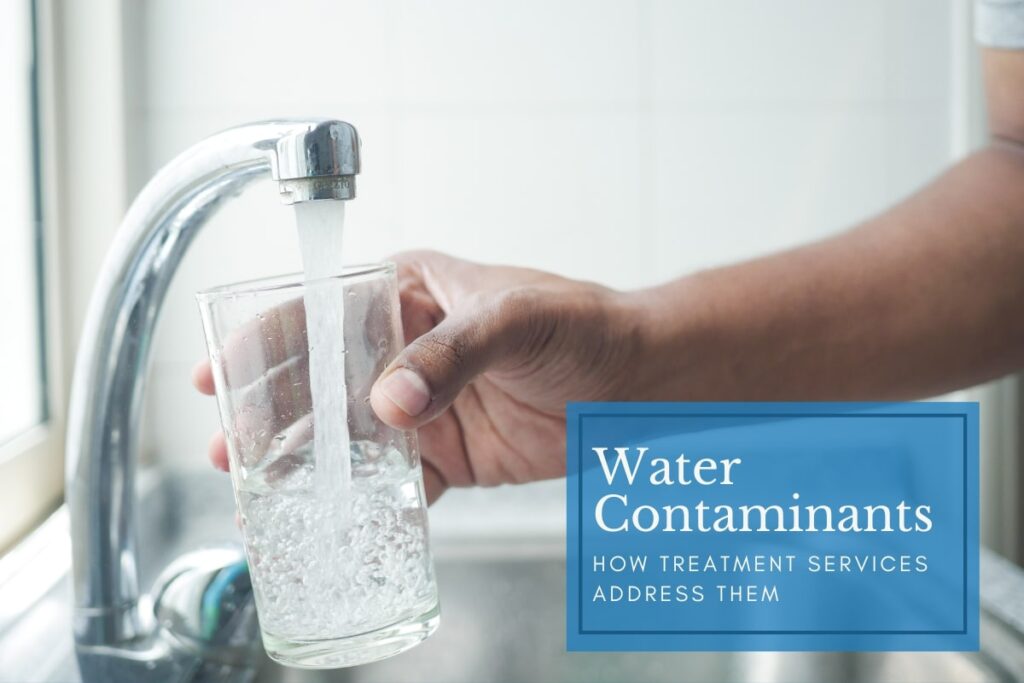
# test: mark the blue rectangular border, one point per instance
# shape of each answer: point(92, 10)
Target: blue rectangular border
point(967, 413)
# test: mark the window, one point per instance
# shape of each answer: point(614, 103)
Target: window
point(21, 366)
point(30, 462)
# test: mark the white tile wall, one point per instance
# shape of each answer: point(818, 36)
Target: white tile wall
point(625, 142)
point(753, 52)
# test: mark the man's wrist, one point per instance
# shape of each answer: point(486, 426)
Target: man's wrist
point(664, 324)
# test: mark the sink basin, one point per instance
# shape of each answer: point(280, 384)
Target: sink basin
point(503, 619)
point(503, 615)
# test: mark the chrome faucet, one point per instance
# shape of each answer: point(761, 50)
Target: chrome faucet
point(120, 635)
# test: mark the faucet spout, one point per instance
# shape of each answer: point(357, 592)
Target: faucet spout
point(311, 159)
point(319, 163)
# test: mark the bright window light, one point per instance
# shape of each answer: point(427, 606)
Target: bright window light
point(22, 392)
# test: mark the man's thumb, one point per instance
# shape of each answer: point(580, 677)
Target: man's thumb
point(430, 372)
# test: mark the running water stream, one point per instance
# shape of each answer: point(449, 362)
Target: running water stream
point(321, 227)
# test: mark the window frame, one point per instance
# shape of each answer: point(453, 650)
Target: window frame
point(32, 462)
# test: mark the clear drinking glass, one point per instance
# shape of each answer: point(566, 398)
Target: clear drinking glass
point(342, 576)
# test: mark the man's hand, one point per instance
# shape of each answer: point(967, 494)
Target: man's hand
point(920, 300)
point(493, 354)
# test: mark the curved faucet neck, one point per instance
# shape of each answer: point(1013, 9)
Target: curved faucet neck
point(311, 159)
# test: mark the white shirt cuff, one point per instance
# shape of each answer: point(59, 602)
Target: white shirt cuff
point(999, 23)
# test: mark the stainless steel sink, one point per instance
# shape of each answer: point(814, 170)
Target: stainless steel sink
point(503, 615)
point(504, 620)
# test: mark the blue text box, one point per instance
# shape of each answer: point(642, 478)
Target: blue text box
point(772, 526)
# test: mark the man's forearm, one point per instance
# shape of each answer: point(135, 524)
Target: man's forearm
point(923, 299)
